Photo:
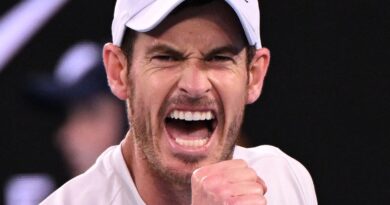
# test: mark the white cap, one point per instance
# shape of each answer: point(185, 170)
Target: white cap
point(144, 15)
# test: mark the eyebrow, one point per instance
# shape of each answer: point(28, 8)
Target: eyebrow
point(223, 49)
point(163, 48)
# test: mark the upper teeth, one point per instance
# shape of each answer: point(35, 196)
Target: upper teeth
point(191, 116)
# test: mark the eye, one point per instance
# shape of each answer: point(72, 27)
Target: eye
point(165, 58)
point(219, 58)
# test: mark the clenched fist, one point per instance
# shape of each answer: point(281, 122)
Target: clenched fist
point(225, 183)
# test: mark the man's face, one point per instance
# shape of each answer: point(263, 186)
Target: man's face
point(188, 89)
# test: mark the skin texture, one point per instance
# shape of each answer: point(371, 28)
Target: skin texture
point(194, 61)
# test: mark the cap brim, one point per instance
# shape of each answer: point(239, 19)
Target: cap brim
point(152, 15)
point(253, 36)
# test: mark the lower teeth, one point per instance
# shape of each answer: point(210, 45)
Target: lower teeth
point(191, 143)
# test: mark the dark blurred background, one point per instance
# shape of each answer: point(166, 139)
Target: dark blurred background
point(325, 101)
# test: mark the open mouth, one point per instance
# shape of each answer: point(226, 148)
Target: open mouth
point(191, 129)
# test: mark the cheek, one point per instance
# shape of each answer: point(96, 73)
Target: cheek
point(234, 99)
point(231, 88)
point(151, 90)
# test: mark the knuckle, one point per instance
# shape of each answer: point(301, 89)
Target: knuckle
point(223, 192)
point(231, 201)
point(195, 177)
point(208, 183)
point(262, 184)
point(259, 189)
point(262, 200)
point(241, 162)
point(198, 174)
point(252, 173)
point(249, 199)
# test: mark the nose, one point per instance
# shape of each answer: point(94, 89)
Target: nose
point(194, 80)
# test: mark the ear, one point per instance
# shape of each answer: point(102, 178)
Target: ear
point(115, 63)
point(257, 71)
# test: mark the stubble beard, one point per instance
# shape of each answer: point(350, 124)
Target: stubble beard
point(143, 133)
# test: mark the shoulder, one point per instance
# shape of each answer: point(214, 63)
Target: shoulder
point(288, 181)
point(101, 184)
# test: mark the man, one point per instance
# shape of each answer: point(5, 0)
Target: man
point(186, 71)
point(91, 114)
point(78, 89)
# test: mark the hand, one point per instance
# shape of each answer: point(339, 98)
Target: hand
point(226, 183)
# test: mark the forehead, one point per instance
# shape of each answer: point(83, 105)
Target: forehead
point(211, 24)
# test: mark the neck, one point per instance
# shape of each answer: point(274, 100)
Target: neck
point(152, 188)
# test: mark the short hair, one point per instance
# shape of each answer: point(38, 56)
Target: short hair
point(127, 44)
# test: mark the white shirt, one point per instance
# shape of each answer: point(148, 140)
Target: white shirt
point(109, 182)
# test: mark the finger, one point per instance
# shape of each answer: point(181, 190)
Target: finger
point(219, 167)
point(240, 189)
point(260, 181)
point(239, 175)
point(247, 200)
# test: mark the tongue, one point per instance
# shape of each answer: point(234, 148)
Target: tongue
point(187, 130)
